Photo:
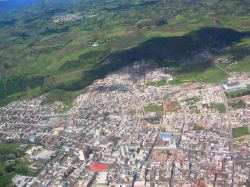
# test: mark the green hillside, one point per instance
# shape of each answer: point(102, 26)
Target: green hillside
point(36, 54)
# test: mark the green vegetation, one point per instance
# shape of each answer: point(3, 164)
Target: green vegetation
point(192, 100)
point(161, 83)
point(5, 181)
point(237, 104)
point(157, 83)
point(176, 82)
point(153, 108)
point(9, 149)
point(218, 106)
point(240, 131)
point(238, 93)
point(115, 139)
point(11, 163)
point(194, 108)
point(199, 73)
point(10, 168)
point(65, 97)
point(38, 55)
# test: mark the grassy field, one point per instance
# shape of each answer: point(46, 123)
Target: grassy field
point(237, 104)
point(218, 106)
point(177, 82)
point(153, 108)
point(237, 93)
point(210, 75)
point(157, 83)
point(240, 131)
point(192, 100)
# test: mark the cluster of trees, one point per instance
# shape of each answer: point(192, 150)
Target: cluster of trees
point(12, 86)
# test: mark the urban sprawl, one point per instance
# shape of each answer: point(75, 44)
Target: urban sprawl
point(136, 127)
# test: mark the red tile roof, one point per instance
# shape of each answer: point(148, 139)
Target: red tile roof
point(98, 166)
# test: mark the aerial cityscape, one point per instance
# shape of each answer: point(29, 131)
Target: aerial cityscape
point(124, 93)
point(136, 128)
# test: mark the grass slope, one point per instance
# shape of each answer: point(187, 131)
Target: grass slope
point(37, 55)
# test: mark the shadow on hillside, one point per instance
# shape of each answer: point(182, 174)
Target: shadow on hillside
point(168, 51)
point(179, 47)
point(163, 51)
